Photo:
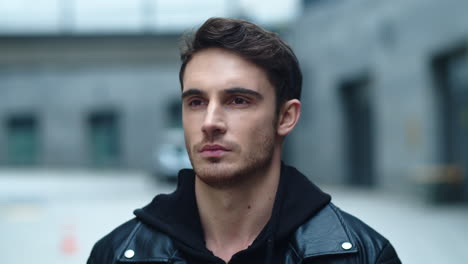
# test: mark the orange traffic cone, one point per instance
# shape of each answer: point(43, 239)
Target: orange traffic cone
point(69, 245)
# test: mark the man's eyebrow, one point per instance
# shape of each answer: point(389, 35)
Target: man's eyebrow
point(191, 92)
point(240, 90)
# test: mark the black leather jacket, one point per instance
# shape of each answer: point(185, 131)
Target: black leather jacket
point(331, 236)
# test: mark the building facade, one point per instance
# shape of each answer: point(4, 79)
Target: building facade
point(86, 101)
point(386, 93)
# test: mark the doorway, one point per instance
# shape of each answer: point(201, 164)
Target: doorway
point(450, 70)
point(358, 132)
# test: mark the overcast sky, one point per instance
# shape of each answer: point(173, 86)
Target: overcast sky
point(84, 16)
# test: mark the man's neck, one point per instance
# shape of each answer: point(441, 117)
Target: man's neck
point(232, 218)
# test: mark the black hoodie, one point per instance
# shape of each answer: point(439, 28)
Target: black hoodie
point(176, 214)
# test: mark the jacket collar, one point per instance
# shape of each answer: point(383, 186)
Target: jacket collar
point(324, 234)
point(146, 245)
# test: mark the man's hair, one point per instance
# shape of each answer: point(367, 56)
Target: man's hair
point(253, 43)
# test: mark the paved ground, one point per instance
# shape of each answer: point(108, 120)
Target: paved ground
point(55, 217)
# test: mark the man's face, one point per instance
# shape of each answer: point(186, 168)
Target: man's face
point(228, 117)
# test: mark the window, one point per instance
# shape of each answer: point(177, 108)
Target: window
point(174, 110)
point(22, 140)
point(104, 139)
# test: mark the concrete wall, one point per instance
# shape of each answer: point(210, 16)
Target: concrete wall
point(392, 42)
point(63, 79)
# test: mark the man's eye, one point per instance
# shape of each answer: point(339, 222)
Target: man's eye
point(239, 101)
point(195, 103)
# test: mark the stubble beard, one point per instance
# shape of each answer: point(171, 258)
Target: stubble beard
point(222, 174)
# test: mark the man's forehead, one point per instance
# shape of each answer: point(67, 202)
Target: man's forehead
point(221, 70)
point(217, 59)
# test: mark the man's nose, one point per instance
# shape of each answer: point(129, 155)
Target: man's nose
point(214, 123)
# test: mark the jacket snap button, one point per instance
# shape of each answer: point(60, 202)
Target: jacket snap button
point(129, 253)
point(346, 246)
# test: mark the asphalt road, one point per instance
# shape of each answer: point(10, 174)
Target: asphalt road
point(54, 217)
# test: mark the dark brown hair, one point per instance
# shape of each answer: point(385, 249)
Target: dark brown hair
point(257, 45)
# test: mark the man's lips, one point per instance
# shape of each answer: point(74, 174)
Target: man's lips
point(213, 150)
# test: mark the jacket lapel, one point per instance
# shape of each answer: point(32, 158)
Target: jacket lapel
point(324, 234)
point(146, 245)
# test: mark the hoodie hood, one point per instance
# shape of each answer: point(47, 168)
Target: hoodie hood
point(176, 214)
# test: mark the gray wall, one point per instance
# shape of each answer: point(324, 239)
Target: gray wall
point(63, 79)
point(393, 43)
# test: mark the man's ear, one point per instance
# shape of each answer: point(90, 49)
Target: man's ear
point(288, 117)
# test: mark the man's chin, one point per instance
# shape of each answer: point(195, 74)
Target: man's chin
point(218, 175)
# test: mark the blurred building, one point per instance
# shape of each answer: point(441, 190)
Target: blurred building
point(385, 94)
point(94, 84)
point(97, 101)
point(86, 83)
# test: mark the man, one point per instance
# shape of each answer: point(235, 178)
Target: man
point(241, 87)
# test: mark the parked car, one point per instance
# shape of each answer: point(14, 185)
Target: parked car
point(170, 155)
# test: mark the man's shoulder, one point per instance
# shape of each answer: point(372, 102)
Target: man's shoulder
point(331, 217)
point(106, 249)
point(368, 239)
point(133, 240)
point(333, 231)
point(358, 228)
